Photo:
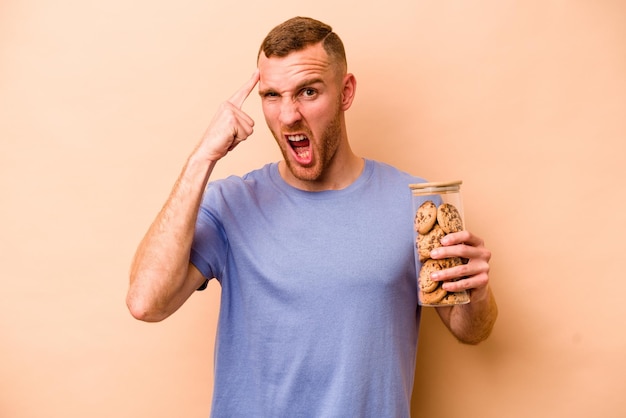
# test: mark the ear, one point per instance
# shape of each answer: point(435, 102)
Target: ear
point(348, 91)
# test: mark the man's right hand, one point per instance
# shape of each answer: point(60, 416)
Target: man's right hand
point(229, 126)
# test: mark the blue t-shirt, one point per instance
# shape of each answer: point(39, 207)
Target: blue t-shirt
point(319, 314)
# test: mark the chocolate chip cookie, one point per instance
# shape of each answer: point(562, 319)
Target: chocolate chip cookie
point(449, 218)
point(428, 242)
point(426, 284)
point(433, 297)
point(425, 217)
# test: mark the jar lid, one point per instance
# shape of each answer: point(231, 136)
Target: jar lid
point(436, 187)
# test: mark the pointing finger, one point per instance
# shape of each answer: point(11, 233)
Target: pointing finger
point(242, 94)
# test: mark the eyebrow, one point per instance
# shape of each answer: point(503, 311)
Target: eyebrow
point(299, 86)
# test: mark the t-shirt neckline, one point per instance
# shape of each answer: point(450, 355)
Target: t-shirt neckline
point(285, 187)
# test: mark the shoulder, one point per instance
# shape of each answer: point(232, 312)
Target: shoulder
point(388, 173)
point(237, 184)
point(238, 191)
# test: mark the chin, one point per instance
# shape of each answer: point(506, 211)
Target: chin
point(311, 173)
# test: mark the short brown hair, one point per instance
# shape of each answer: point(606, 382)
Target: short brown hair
point(298, 33)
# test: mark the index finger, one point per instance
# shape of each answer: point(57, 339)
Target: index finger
point(462, 237)
point(242, 94)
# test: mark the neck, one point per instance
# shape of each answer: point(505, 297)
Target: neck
point(338, 175)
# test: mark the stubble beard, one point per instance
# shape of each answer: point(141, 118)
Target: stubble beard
point(323, 154)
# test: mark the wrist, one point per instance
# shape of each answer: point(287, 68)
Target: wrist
point(480, 294)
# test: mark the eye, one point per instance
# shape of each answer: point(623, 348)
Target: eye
point(308, 92)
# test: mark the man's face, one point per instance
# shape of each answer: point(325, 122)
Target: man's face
point(301, 97)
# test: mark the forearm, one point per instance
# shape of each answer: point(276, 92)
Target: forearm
point(160, 267)
point(472, 323)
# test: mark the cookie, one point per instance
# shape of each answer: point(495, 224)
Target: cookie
point(433, 297)
point(455, 298)
point(425, 217)
point(447, 263)
point(449, 218)
point(425, 283)
point(428, 242)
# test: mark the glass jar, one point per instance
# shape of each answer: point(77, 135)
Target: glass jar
point(438, 211)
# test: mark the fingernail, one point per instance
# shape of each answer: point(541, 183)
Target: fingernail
point(434, 253)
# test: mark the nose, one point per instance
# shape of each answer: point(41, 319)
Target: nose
point(289, 112)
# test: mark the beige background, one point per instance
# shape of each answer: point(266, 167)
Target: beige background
point(101, 102)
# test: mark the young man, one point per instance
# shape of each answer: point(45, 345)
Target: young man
point(314, 254)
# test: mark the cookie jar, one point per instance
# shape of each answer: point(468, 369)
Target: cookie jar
point(438, 211)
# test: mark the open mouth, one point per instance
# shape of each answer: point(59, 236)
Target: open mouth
point(300, 145)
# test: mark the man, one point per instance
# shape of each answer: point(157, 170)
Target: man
point(314, 254)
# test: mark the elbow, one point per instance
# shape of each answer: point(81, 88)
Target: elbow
point(149, 301)
point(480, 328)
point(141, 310)
point(473, 339)
point(478, 334)
point(143, 301)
